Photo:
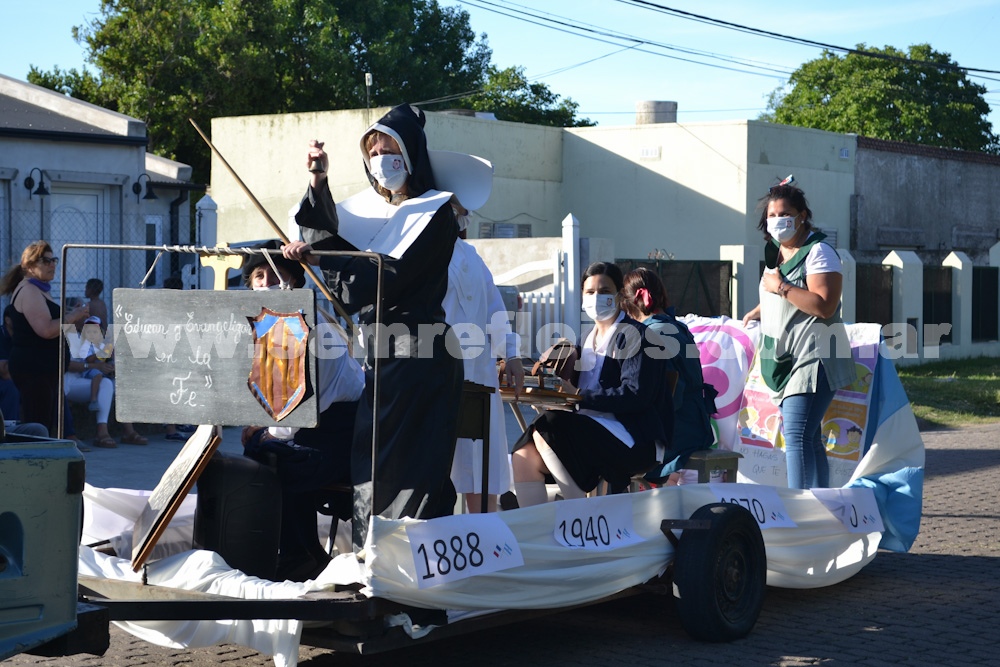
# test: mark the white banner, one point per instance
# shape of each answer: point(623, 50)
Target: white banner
point(598, 524)
point(457, 547)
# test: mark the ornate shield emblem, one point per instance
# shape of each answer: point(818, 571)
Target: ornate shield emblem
point(278, 375)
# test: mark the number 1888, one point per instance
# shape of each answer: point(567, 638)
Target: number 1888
point(453, 554)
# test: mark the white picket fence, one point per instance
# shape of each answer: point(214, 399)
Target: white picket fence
point(540, 320)
point(538, 311)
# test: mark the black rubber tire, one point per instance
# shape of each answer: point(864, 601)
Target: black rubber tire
point(720, 574)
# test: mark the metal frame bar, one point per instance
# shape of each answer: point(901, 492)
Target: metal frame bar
point(225, 250)
point(143, 602)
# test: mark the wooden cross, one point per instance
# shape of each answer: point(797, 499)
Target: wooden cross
point(221, 265)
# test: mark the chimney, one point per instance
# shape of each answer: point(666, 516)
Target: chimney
point(652, 111)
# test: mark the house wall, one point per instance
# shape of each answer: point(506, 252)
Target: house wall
point(90, 202)
point(682, 189)
point(89, 159)
point(268, 153)
point(927, 200)
point(676, 188)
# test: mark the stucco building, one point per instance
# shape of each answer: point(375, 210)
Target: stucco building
point(681, 191)
point(91, 181)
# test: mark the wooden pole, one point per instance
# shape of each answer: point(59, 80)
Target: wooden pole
point(277, 230)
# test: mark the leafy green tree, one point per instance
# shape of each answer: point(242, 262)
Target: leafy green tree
point(165, 61)
point(919, 96)
point(79, 84)
point(510, 95)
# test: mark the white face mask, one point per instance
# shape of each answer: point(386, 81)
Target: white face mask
point(265, 289)
point(390, 171)
point(782, 229)
point(600, 307)
point(463, 222)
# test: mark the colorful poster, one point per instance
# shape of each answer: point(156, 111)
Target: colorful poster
point(759, 422)
point(727, 351)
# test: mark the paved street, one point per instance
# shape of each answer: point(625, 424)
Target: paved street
point(937, 605)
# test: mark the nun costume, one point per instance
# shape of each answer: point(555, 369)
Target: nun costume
point(411, 224)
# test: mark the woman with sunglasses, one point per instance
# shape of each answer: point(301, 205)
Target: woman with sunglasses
point(37, 325)
point(805, 355)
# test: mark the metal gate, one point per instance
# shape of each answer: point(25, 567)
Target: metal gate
point(985, 288)
point(937, 297)
point(874, 293)
point(701, 287)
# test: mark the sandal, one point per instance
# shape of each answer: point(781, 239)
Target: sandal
point(79, 443)
point(105, 442)
point(134, 438)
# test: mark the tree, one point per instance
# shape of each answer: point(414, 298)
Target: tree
point(920, 96)
point(79, 84)
point(165, 61)
point(511, 97)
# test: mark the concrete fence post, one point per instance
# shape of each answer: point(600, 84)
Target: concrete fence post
point(903, 335)
point(961, 300)
point(746, 261)
point(849, 292)
point(206, 233)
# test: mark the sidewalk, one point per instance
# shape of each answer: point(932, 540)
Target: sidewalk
point(141, 466)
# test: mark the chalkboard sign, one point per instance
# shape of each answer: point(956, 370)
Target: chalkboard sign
point(184, 356)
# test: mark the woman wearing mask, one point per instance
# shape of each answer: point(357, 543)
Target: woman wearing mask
point(645, 298)
point(309, 460)
point(617, 427)
point(411, 224)
point(805, 354)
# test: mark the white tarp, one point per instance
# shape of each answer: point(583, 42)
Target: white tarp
point(818, 552)
point(519, 559)
point(206, 572)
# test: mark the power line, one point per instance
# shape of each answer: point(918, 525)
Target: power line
point(470, 93)
point(569, 26)
point(602, 30)
point(647, 4)
point(585, 62)
point(577, 29)
point(595, 33)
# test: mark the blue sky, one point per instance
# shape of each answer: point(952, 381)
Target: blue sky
point(607, 79)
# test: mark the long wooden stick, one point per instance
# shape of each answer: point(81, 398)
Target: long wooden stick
point(277, 230)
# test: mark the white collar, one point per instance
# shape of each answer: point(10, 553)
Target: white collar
point(601, 346)
point(368, 222)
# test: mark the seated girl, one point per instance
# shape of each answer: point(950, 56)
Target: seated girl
point(617, 427)
point(645, 299)
point(89, 380)
point(93, 348)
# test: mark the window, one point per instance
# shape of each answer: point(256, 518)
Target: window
point(504, 230)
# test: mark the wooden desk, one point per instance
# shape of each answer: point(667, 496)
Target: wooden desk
point(546, 398)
